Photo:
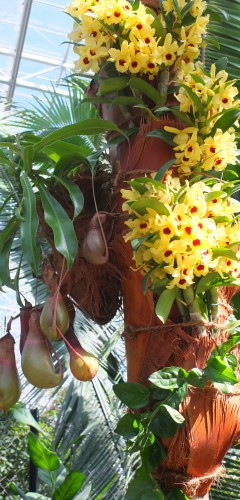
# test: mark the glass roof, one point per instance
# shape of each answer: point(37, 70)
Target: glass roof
point(33, 54)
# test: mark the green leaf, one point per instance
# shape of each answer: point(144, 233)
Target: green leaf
point(222, 349)
point(9, 231)
point(196, 377)
point(212, 280)
point(218, 371)
point(146, 89)
point(41, 456)
point(28, 154)
point(165, 302)
point(128, 426)
point(29, 225)
point(152, 456)
point(226, 121)
point(224, 252)
point(70, 486)
point(68, 162)
point(132, 394)
point(65, 238)
point(214, 194)
point(111, 85)
point(177, 396)
point(162, 134)
point(137, 242)
point(123, 100)
point(144, 487)
point(75, 194)
point(16, 282)
point(176, 494)
point(166, 422)
point(140, 206)
point(5, 277)
point(194, 98)
point(85, 127)
point(21, 413)
point(167, 378)
point(162, 171)
point(6, 202)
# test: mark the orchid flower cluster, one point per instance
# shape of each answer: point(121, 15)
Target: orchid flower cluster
point(204, 98)
point(134, 39)
point(180, 233)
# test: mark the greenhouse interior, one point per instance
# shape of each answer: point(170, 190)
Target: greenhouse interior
point(119, 249)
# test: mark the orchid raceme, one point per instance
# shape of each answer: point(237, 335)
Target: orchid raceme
point(181, 232)
point(132, 40)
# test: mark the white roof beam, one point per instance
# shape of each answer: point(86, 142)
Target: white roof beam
point(19, 49)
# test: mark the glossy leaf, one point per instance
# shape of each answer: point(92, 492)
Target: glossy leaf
point(70, 486)
point(137, 242)
point(160, 31)
point(224, 252)
point(41, 456)
point(152, 456)
point(111, 85)
point(144, 487)
point(163, 424)
point(218, 371)
point(128, 426)
point(162, 134)
point(162, 171)
point(85, 127)
point(167, 378)
point(29, 225)
point(23, 415)
point(194, 98)
point(146, 89)
point(5, 277)
point(65, 238)
point(226, 120)
point(165, 302)
point(132, 394)
point(123, 100)
point(69, 162)
point(28, 154)
point(9, 231)
point(75, 194)
point(140, 206)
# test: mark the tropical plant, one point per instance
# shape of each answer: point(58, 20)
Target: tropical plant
point(93, 164)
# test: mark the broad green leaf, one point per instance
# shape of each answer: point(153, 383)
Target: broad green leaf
point(194, 98)
point(221, 218)
point(144, 487)
point(75, 194)
point(28, 496)
point(224, 252)
point(218, 371)
point(138, 186)
point(152, 456)
point(5, 277)
point(226, 121)
point(111, 85)
point(196, 377)
point(9, 231)
point(162, 134)
point(162, 171)
point(174, 414)
point(167, 378)
point(28, 154)
point(86, 127)
point(221, 64)
point(132, 394)
point(29, 225)
point(176, 493)
point(140, 206)
point(146, 89)
point(128, 426)
point(165, 302)
point(84, 494)
point(68, 162)
point(70, 486)
point(223, 348)
point(123, 100)
point(23, 415)
point(41, 456)
point(177, 396)
point(64, 234)
point(212, 280)
point(163, 424)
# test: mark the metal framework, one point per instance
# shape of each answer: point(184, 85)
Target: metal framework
point(51, 68)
